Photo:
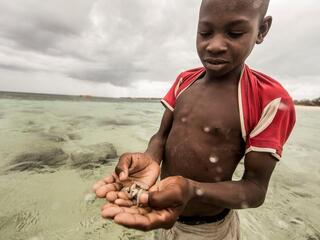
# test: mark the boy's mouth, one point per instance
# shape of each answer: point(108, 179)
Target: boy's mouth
point(216, 61)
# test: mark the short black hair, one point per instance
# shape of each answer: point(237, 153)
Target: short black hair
point(263, 5)
point(260, 5)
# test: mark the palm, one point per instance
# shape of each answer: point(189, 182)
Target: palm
point(141, 218)
point(167, 200)
point(132, 167)
point(143, 169)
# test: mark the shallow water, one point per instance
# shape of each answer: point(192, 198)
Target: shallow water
point(50, 154)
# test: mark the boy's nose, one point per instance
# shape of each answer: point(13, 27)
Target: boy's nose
point(217, 44)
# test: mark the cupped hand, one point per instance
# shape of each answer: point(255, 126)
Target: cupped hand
point(132, 167)
point(159, 208)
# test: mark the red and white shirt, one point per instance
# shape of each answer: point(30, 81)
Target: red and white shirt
point(267, 113)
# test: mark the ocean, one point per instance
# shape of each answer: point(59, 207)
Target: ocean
point(53, 148)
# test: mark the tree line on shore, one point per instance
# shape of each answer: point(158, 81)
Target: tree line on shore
point(308, 102)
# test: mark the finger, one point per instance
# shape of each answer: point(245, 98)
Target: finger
point(123, 195)
point(136, 221)
point(112, 196)
point(124, 203)
point(122, 168)
point(144, 199)
point(97, 185)
point(107, 205)
point(110, 211)
point(145, 222)
point(109, 179)
point(116, 177)
point(102, 191)
point(135, 210)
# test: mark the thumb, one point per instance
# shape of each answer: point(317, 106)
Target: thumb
point(122, 168)
point(166, 198)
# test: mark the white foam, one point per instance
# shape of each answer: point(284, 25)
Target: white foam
point(89, 198)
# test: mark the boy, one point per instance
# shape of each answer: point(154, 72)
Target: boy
point(215, 116)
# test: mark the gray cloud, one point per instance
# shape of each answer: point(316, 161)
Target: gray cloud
point(125, 42)
point(115, 75)
point(39, 25)
point(14, 67)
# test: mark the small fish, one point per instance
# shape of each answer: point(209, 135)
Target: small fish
point(134, 192)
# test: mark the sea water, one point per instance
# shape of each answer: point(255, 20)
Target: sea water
point(47, 147)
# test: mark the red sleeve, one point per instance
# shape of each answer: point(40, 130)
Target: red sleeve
point(273, 129)
point(169, 99)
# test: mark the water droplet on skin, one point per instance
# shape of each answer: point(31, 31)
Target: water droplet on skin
point(219, 169)
point(218, 179)
point(213, 159)
point(206, 129)
point(184, 119)
point(244, 205)
point(199, 192)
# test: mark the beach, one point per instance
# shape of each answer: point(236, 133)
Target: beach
point(53, 149)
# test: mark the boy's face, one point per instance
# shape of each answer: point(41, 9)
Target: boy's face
point(227, 33)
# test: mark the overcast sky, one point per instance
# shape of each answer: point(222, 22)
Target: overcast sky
point(120, 48)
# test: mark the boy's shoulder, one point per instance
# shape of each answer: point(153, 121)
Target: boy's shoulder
point(267, 88)
point(267, 112)
point(254, 87)
point(192, 72)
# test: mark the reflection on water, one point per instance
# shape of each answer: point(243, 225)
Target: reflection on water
point(52, 151)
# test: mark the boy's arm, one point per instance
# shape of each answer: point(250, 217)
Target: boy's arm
point(169, 197)
point(157, 142)
point(249, 192)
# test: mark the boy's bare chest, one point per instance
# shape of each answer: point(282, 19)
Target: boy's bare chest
point(206, 126)
point(215, 107)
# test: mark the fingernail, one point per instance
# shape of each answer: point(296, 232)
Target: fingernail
point(122, 175)
point(144, 197)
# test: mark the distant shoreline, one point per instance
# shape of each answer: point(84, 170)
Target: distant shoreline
point(57, 97)
point(88, 98)
point(307, 102)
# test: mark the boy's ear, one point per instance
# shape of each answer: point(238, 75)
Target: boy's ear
point(264, 29)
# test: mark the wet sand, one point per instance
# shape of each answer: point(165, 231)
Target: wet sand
point(52, 151)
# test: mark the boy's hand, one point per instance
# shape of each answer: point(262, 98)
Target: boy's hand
point(162, 206)
point(132, 167)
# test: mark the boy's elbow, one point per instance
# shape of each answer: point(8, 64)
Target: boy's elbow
point(258, 200)
point(253, 203)
point(255, 197)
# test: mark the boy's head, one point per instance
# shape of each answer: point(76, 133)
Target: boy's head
point(228, 31)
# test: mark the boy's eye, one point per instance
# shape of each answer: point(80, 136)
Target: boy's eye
point(205, 34)
point(235, 34)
